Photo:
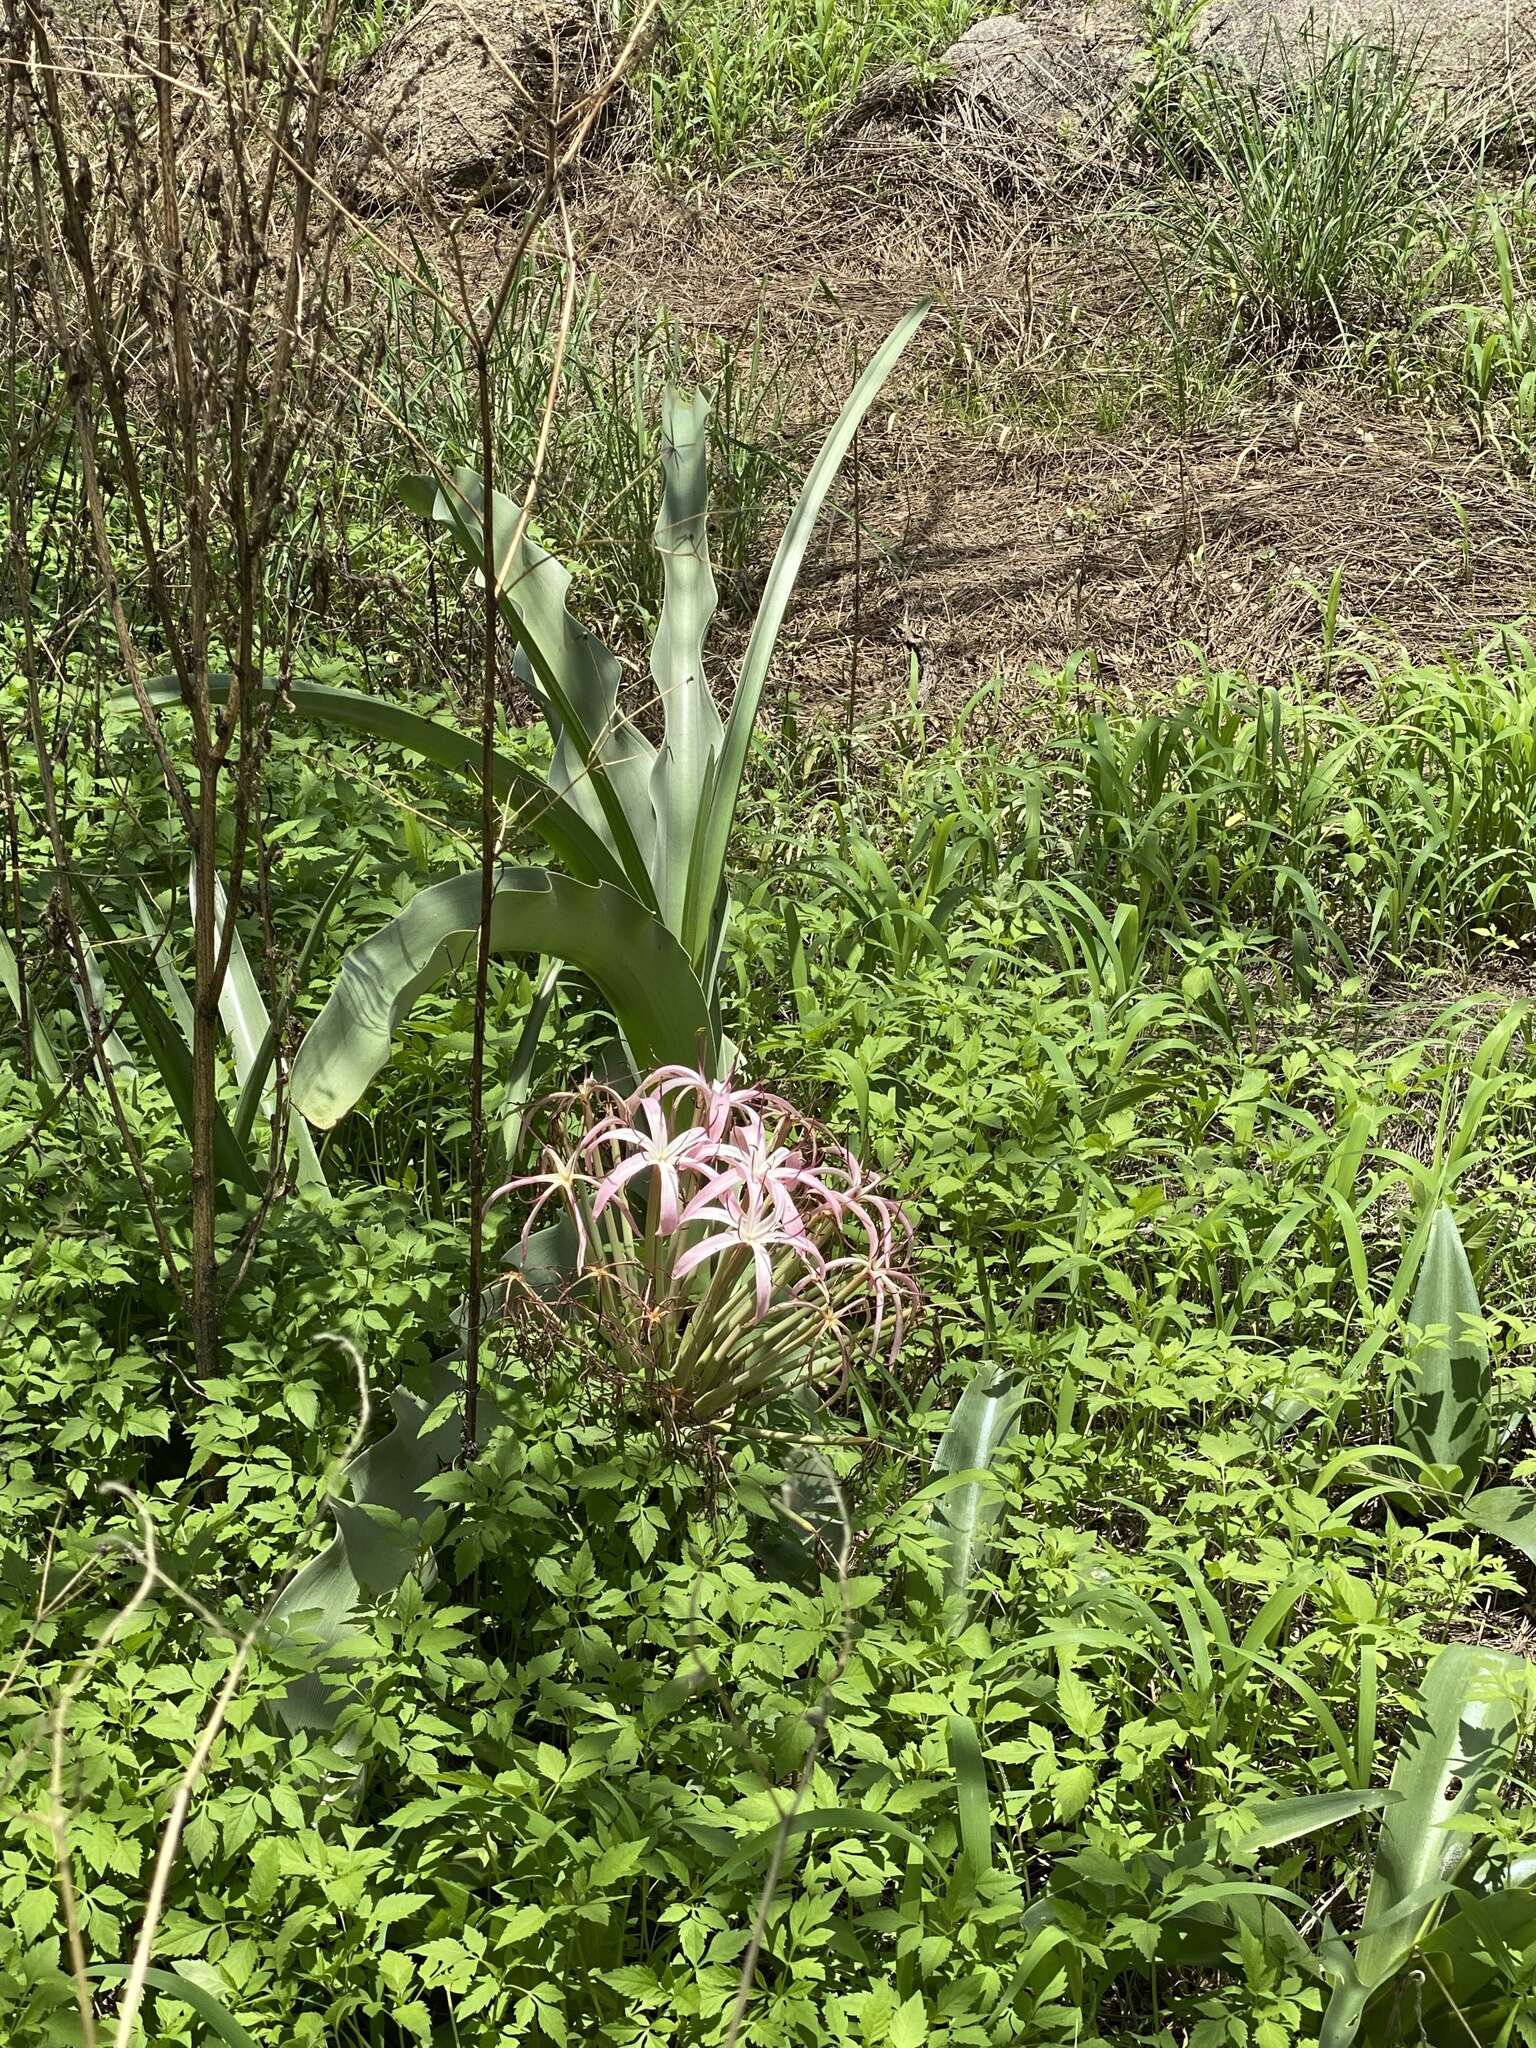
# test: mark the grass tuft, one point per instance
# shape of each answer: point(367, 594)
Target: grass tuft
point(1298, 226)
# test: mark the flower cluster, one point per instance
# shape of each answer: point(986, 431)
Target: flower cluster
point(728, 1246)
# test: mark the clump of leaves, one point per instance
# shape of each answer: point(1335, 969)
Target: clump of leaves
point(1303, 216)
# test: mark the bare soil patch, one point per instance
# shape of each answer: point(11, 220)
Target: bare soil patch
point(994, 543)
point(990, 545)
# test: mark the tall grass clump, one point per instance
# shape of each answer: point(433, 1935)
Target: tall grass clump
point(1301, 213)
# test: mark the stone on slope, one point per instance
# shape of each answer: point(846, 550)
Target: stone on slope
point(462, 100)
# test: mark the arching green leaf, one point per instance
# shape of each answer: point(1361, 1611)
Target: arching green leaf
point(983, 1420)
point(716, 822)
point(599, 929)
point(602, 759)
point(1443, 1407)
point(1458, 1748)
point(174, 1985)
point(540, 809)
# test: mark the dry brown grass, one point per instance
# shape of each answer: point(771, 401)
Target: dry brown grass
point(999, 539)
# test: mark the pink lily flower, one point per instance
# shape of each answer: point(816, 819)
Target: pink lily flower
point(717, 1102)
point(814, 1251)
point(752, 1224)
point(656, 1150)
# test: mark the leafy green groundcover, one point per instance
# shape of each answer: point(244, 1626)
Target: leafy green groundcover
point(1165, 1170)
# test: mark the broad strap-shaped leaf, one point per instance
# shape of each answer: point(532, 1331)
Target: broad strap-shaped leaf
point(95, 1009)
point(1444, 1408)
point(708, 867)
point(1507, 1512)
point(378, 1512)
point(45, 1060)
point(601, 930)
point(538, 808)
point(984, 1418)
point(548, 1264)
point(172, 1058)
point(682, 772)
point(1458, 1749)
point(174, 1985)
point(1275, 1823)
point(1473, 1985)
point(972, 1806)
point(602, 759)
point(244, 1016)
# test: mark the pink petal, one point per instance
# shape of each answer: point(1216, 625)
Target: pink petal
point(671, 1193)
point(764, 1279)
point(617, 1179)
point(708, 1248)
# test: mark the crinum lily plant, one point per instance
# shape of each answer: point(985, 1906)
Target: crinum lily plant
point(634, 898)
point(727, 1249)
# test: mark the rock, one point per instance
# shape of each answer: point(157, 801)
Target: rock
point(1042, 95)
point(1475, 51)
point(1055, 74)
point(464, 97)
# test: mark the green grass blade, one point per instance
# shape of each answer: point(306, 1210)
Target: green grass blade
point(514, 1100)
point(973, 1807)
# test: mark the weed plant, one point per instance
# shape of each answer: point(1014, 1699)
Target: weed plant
point(1495, 376)
point(729, 85)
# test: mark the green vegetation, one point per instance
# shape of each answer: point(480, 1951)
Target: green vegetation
point(597, 510)
point(678, 1374)
point(1165, 1150)
point(742, 82)
point(1318, 207)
